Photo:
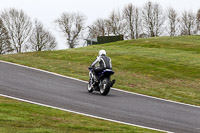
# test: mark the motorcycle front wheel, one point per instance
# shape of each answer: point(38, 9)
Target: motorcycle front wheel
point(90, 87)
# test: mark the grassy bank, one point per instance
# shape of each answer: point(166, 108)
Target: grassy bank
point(20, 117)
point(165, 67)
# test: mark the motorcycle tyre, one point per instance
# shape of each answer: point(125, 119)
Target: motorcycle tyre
point(89, 87)
point(104, 89)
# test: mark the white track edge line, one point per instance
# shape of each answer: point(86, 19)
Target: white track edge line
point(92, 116)
point(112, 88)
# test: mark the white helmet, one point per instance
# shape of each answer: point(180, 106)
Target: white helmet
point(102, 52)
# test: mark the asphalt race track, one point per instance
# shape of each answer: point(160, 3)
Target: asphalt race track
point(61, 92)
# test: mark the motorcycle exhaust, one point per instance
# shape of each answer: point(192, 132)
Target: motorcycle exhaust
point(112, 82)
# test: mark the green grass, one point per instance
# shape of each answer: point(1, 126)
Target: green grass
point(164, 67)
point(20, 117)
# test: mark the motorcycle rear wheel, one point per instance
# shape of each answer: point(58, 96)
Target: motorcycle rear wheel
point(105, 86)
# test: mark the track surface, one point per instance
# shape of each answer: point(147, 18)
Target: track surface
point(70, 94)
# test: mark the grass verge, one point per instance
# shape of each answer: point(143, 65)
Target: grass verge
point(20, 117)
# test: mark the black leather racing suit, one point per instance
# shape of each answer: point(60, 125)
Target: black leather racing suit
point(104, 63)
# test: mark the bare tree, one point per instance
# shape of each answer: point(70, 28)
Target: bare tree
point(188, 25)
point(173, 20)
point(5, 46)
point(19, 28)
point(100, 27)
point(41, 39)
point(153, 19)
point(116, 23)
point(108, 27)
point(138, 21)
point(71, 24)
point(128, 14)
point(198, 21)
point(93, 31)
point(132, 20)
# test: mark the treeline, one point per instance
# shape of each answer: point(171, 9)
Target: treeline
point(19, 34)
point(148, 21)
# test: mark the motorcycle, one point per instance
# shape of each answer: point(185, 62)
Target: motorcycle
point(103, 84)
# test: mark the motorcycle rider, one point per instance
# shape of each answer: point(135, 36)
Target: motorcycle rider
point(104, 63)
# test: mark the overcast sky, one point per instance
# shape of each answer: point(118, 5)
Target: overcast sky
point(48, 10)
